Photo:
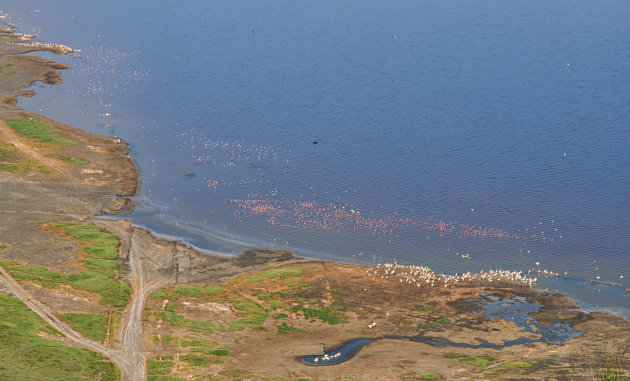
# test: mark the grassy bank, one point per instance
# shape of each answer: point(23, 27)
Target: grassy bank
point(29, 351)
point(97, 255)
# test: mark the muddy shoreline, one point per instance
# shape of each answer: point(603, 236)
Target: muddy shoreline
point(269, 307)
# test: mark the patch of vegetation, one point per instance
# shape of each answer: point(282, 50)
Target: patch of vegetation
point(444, 320)
point(26, 355)
point(38, 130)
point(281, 272)
point(199, 326)
point(514, 365)
point(3, 246)
point(90, 234)
point(285, 328)
point(609, 373)
point(478, 361)
point(189, 342)
point(430, 326)
point(101, 252)
point(101, 274)
point(332, 315)
point(427, 307)
point(163, 378)
point(430, 376)
point(197, 292)
point(201, 360)
point(10, 168)
point(173, 293)
point(334, 292)
point(93, 326)
point(159, 294)
point(12, 160)
point(71, 159)
point(159, 365)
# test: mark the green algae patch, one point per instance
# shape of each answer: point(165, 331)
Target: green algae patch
point(26, 352)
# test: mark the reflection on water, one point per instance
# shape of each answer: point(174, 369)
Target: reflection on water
point(515, 310)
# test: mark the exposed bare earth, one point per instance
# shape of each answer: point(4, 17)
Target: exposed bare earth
point(249, 323)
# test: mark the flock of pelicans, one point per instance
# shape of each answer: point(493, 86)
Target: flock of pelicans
point(326, 357)
point(424, 276)
point(24, 40)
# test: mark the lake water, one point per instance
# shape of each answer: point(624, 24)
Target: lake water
point(462, 135)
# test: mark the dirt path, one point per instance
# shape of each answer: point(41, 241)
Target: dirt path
point(129, 358)
point(53, 320)
point(132, 321)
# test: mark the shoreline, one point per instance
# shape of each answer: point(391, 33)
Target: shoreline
point(153, 263)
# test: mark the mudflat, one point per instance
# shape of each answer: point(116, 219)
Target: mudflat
point(150, 308)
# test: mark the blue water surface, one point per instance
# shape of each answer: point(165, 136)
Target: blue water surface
point(462, 135)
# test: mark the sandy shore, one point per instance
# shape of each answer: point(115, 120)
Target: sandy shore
point(252, 316)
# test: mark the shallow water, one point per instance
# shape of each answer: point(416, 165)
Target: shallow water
point(515, 310)
point(461, 135)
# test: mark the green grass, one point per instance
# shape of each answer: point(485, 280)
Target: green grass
point(609, 373)
point(159, 294)
point(71, 159)
point(430, 377)
point(93, 326)
point(101, 252)
point(10, 168)
point(25, 355)
point(285, 328)
point(332, 315)
point(196, 343)
point(158, 366)
point(90, 234)
point(203, 360)
point(477, 361)
point(199, 326)
point(197, 292)
point(101, 274)
point(38, 130)
point(174, 293)
point(12, 160)
point(3, 246)
point(281, 272)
